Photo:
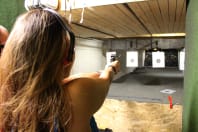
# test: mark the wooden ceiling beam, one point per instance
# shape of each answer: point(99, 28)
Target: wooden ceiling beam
point(133, 13)
point(96, 30)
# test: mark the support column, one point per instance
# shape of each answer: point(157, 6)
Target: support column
point(190, 111)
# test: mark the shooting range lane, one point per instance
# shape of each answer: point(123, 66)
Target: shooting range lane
point(140, 101)
point(147, 84)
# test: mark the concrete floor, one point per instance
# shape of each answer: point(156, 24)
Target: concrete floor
point(145, 84)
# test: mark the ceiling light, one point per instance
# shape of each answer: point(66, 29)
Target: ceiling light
point(169, 35)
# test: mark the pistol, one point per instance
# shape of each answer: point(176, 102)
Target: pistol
point(115, 57)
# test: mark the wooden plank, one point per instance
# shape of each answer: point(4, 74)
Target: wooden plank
point(162, 22)
point(144, 12)
point(102, 21)
point(150, 17)
point(90, 20)
point(76, 16)
point(153, 4)
point(113, 22)
point(124, 19)
point(172, 14)
point(86, 33)
point(134, 24)
point(141, 15)
point(136, 8)
point(178, 15)
point(163, 5)
point(117, 23)
point(183, 17)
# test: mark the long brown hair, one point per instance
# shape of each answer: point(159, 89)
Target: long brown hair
point(32, 97)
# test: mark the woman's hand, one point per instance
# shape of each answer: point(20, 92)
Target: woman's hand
point(115, 65)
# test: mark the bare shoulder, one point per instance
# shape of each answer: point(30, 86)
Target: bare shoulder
point(85, 86)
point(87, 93)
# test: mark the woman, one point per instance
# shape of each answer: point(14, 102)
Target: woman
point(36, 91)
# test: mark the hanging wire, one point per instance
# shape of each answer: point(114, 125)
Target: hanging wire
point(70, 11)
point(82, 15)
point(126, 44)
point(70, 17)
point(65, 8)
point(110, 45)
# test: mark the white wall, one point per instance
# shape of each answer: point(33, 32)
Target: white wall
point(123, 45)
point(89, 56)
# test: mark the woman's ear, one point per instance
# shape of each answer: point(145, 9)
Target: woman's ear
point(71, 60)
point(67, 66)
point(66, 62)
